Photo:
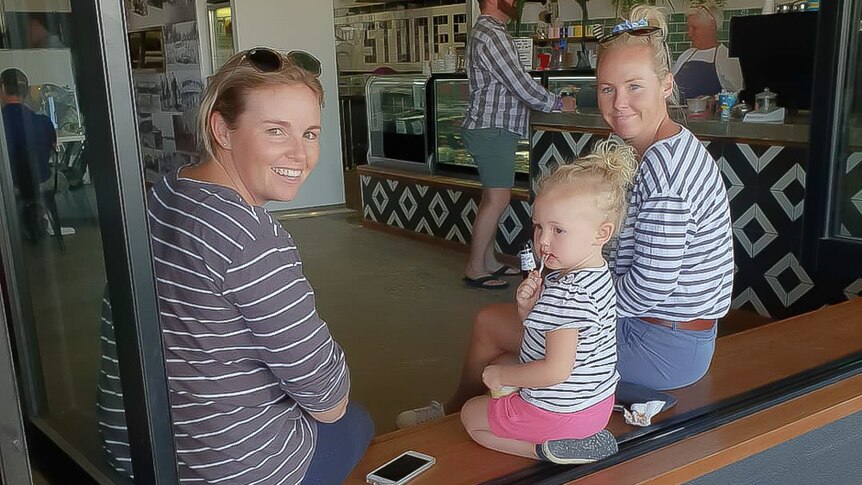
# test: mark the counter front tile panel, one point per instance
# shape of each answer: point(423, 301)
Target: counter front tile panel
point(442, 212)
point(851, 198)
point(766, 187)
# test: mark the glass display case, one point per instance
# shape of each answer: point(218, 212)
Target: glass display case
point(396, 122)
point(450, 94)
point(448, 98)
point(581, 86)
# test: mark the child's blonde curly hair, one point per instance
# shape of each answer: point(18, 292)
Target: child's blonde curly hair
point(609, 170)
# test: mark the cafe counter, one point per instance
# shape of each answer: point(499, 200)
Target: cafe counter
point(763, 167)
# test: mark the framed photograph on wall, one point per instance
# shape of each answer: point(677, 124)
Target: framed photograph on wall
point(147, 50)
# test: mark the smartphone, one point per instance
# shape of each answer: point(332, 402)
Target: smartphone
point(402, 469)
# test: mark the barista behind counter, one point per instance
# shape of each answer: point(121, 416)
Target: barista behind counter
point(706, 69)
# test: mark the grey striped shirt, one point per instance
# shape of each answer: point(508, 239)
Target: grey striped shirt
point(584, 300)
point(674, 258)
point(110, 407)
point(247, 354)
point(502, 93)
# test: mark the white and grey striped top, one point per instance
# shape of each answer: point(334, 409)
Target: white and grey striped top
point(502, 93)
point(247, 354)
point(111, 410)
point(674, 258)
point(584, 300)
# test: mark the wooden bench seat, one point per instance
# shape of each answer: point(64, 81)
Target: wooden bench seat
point(743, 362)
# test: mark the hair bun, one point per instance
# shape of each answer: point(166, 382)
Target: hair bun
point(654, 16)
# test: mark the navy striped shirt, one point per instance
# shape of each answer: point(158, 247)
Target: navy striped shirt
point(583, 300)
point(247, 355)
point(674, 258)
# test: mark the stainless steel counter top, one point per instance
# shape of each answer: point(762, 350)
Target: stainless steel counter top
point(795, 129)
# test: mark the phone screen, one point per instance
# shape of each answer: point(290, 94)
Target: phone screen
point(400, 468)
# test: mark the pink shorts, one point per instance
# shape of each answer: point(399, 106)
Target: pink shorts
point(512, 417)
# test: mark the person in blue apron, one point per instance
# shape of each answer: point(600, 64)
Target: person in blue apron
point(707, 68)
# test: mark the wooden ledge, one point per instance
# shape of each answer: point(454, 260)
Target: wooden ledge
point(438, 181)
point(743, 362)
point(696, 456)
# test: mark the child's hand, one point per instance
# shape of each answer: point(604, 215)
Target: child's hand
point(528, 293)
point(492, 376)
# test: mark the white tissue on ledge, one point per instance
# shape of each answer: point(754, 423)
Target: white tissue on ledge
point(642, 413)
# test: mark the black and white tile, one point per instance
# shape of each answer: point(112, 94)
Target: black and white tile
point(445, 213)
point(766, 190)
point(850, 197)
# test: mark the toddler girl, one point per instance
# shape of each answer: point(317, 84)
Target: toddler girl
point(566, 370)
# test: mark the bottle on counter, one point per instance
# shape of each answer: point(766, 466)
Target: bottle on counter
point(726, 100)
point(557, 57)
point(450, 59)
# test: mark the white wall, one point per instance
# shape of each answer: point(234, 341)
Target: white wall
point(306, 25)
point(37, 6)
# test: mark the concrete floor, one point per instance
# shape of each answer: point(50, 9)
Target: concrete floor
point(396, 305)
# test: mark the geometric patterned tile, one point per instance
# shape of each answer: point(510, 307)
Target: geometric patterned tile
point(854, 290)
point(443, 213)
point(793, 208)
point(748, 297)
point(759, 159)
point(766, 233)
point(789, 280)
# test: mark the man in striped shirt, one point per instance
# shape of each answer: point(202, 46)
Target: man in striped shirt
point(502, 94)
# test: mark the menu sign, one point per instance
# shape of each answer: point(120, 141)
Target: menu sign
point(524, 45)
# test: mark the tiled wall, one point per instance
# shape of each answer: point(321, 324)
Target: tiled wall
point(677, 29)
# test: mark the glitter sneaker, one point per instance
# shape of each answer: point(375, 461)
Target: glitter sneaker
point(426, 414)
point(577, 452)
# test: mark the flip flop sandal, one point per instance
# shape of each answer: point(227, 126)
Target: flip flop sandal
point(482, 282)
point(505, 271)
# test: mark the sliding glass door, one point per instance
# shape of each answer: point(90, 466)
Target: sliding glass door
point(834, 217)
point(74, 243)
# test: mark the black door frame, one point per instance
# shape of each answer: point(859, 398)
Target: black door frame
point(828, 256)
point(116, 169)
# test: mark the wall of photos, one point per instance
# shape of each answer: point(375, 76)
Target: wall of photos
point(167, 97)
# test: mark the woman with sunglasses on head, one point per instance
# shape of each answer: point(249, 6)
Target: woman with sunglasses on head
point(258, 387)
point(673, 261)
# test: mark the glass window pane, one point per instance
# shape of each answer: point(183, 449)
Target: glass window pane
point(59, 263)
point(848, 175)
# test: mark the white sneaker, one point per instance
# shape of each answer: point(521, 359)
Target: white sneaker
point(426, 414)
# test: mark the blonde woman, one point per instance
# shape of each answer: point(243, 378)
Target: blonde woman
point(673, 264)
point(258, 387)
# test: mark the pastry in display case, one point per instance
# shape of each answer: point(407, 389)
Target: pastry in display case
point(582, 87)
point(396, 122)
point(450, 94)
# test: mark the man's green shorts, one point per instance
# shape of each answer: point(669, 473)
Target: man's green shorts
point(493, 151)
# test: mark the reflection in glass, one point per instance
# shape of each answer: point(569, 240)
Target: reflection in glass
point(451, 98)
point(60, 266)
point(221, 35)
point(848, 202)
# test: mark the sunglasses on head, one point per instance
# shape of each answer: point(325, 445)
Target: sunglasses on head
point(267, 60)
point(638, 29)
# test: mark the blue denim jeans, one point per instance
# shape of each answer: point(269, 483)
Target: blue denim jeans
point(340, 446)
point(662, 358)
